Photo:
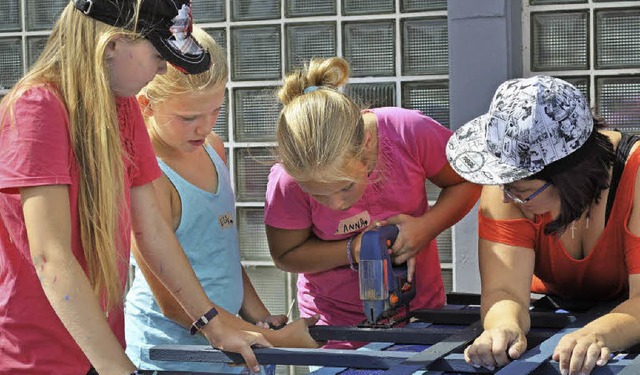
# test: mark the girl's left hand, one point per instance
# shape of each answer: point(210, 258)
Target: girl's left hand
point(580, 351)
point(273, 321)
point(413, 236)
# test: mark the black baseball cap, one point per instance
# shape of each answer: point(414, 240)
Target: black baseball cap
point(167, 24)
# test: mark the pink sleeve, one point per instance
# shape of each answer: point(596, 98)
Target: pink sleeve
point(147, 168)
point(426, 140)
point(286, 206)
point(35, 149)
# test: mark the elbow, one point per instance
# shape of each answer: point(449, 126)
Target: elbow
point(282, 263)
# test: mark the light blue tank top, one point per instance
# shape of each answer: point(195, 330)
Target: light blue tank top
point(209, 237)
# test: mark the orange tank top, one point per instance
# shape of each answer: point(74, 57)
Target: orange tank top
point(603, 274)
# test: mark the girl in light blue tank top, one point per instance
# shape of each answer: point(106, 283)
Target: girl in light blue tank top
point(197, 200)
point(208, 235)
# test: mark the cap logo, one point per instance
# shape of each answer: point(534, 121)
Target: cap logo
point(469, 162)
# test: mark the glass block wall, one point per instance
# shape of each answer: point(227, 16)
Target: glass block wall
point(593, 44)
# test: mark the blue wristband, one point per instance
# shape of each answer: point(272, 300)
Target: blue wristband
point(353, 266)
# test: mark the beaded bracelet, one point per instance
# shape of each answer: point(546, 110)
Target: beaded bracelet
point(353, 266)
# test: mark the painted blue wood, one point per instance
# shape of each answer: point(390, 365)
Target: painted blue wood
point(437, 351)
point(632, 368)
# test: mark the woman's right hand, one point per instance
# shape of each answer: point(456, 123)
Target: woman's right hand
point(496, 347)
point(224, 336)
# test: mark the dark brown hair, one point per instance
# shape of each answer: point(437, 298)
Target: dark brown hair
point(579, 177)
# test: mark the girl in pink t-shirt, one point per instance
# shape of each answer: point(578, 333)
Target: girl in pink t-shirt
point(341, 170)
point(75, 170)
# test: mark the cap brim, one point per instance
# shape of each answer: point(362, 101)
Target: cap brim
point(468, 155)
point(190, 63)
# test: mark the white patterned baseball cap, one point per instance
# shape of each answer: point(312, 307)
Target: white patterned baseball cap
point(531, 123)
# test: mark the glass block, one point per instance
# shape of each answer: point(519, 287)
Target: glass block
point(10, 15)
point(581, 83)
point(559, 41)
point(220, 36)
point(221, 127)
point(617, 38)
point(370, 48)
point(255, 53)
point(422, 5)
point(246, 10)
point(270, 283)
point(433, 191)
point(373, 95)
point(353, 7)
point(425, 46)
point(41, 15)
point(35, 45)
point(208, 11)
point(618, 101)
point(430, 97)
point(251, 233)
point(304, 41)
point(10, 61)
point(302, 8)
point(447, 280)
point(445, 246)
point(256, 112)
point(547, 2)
point(252, 171)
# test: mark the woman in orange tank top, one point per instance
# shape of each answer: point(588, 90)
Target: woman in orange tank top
point(553, 219)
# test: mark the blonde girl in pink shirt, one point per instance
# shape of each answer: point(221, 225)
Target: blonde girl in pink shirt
point(343, 169)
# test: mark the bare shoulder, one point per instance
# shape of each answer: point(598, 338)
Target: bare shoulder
point(215, 141)
point(162, 187)
point(493, 207)
point(634, 220)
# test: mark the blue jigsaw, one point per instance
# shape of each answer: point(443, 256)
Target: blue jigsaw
point(383, 286)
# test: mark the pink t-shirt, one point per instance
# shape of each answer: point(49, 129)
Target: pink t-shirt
point(411, 149)
point(36, 151)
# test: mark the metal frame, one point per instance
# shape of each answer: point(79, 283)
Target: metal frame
point(439, 349)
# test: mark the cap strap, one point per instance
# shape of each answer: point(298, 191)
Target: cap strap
point(83, 5)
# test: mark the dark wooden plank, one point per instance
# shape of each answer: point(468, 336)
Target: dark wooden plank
point(437, 351)
point(399, 335)
point(455, 298)
point(468, 316)
point(412, 334)
point(283, 356)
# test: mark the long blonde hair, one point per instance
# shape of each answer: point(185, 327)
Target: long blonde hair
point(74, 66)
point(319, 131)
point(175, 83)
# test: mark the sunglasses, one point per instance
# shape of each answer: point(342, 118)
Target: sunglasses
point(527, 199)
